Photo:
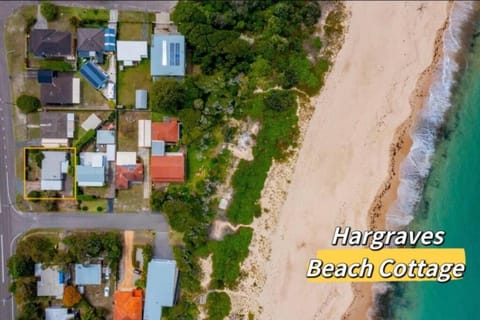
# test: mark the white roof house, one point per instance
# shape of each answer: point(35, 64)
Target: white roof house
point(50, 281)
point(93, 159)
point(54, 166)
point(145, 133)
point(131, 51)
point(126, 158)
point(70, 125)
point(92, 122)
point(111, 152)
point(76, 90)
point(58, 313)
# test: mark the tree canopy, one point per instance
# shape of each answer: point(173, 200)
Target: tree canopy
point(70, 296)
point(49, 11)
point(167, 96)
point(28, 104)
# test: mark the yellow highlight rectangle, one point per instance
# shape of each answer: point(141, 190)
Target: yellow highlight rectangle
point(377, 258)
point(72, 150)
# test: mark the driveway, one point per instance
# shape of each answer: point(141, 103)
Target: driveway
point(41, 21)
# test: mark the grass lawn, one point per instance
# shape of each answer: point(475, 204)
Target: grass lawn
point(89, 18)
point(131, 200)
point(92, 205)
point(131, 79)
point(100, 192)
point(33, 133)
point(15, 42)
point(136, 16)
point(91, 98)
point(132, 31)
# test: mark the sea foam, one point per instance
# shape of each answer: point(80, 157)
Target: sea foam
point(416, 166)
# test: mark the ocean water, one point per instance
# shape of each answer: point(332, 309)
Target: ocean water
point(450, 201)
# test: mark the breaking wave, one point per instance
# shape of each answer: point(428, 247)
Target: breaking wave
point(416, 166)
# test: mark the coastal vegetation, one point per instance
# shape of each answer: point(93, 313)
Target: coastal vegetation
point(248, 61)
point(219, 305)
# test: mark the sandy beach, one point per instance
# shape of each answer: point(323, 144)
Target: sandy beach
point(345, 159)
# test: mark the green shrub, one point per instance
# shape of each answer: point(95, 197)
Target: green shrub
point(85, 139)
point(28, 104)
point(219, 305)
point(279, 100)
point(20, 266)
point(49, 11)
point(228, 254)
point(277, 134)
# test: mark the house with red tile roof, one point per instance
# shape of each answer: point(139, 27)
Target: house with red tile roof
point(127, 170)
point(126, 174)
point(128, 305)
point(168, 130)
point(168, 168)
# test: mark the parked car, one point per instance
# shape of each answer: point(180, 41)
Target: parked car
point(137, 271)
point(106, 291)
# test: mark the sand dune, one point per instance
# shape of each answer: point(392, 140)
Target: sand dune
point(345, 156)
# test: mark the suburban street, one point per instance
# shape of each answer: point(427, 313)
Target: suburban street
point(14, 223)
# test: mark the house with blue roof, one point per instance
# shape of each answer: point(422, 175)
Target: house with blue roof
point(94, 75)
point(162, 279)
point(88, 274)
point(110, 39)
point(167, 56)
point(105, 137)
point(91, 172)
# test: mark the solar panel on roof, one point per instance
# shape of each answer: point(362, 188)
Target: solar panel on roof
point(177, 54)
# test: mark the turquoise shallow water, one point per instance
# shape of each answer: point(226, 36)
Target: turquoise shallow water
point(451, 202)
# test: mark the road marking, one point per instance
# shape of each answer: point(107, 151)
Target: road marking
point(13, 240)
point(3, 259)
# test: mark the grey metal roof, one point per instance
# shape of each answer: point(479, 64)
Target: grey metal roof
point(90, 174)
point(161, 287)
point(167, 56)
point(48, 284)
point(53, 125)
point(88, 275)
point(52, 164)
point(105, 137)
point(141, 99)
point(158, 148)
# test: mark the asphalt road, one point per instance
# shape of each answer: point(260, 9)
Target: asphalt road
point(14, 223)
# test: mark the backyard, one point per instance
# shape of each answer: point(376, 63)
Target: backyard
point(128, 129)
point(131, 79)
